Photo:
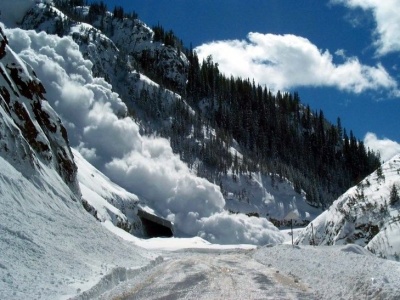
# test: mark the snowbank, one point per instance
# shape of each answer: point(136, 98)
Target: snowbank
point(50, 247)
point(337, 272)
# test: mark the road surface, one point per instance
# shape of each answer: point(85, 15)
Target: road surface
point(211, 275)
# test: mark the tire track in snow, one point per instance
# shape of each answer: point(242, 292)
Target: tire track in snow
point(212, 276)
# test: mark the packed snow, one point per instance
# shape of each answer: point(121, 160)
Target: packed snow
point(335, 272)
point(50, 247)
point(270, 272)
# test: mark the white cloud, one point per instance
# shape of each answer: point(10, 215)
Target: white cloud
point(287, 61)
point(387, 18)
point(98, 128)
point(387, 148)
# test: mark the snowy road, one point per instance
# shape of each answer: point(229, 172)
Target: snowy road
point(212, 275)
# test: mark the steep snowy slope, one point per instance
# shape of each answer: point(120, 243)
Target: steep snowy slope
point(367, 214)
point(114, 46)
point(21, 100)
point(50, 246)
point(114, 52)
point(270, 197)
point(99, 128)
point(108, 202)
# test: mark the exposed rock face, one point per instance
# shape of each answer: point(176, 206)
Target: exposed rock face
point(113, 45)
point(29, 127)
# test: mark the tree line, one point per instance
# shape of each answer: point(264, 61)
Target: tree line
point(279, 133)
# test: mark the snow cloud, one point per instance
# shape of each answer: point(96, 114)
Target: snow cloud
point(98, 126)
point(387, 148)
point(287, 61)
point(218, 228)
point(387, 18)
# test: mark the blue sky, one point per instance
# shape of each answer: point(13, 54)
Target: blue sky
point(342, 56)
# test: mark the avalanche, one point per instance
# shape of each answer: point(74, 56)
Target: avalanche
point(50, 247)
point(97, 126)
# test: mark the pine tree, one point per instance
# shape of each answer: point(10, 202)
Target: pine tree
point(379, 174)
point(394, 195)
point(118, 12)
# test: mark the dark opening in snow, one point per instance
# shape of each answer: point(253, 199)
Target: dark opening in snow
point(155, 226)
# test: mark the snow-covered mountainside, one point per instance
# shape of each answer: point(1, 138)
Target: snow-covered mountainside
point(270, 197)
point(43, 135)
point(98, 127)
point(367, 214)
point(50, 246)
point(114, 46)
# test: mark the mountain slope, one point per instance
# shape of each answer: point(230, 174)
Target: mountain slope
point(21, 100)
point(161, 111)
point(367, 214)
point(98, 126)
point(50, 246)
point(224, 112)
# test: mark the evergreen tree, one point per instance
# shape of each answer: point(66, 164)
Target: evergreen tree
point(379, 174)
point(118, 12)
point(394, 195)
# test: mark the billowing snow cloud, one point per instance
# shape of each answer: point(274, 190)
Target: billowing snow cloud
point(387, 148)
point(287, 61)
point(97, 125)
point(387, 18)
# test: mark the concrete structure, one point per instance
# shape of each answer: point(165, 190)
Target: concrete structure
point(155, 226)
